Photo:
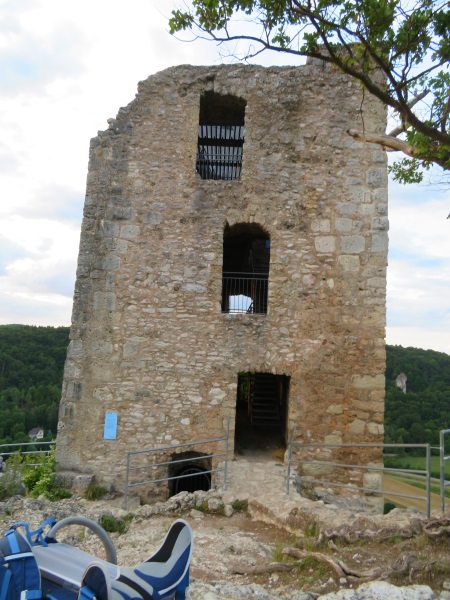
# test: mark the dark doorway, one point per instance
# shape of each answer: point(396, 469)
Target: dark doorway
point(261, 412)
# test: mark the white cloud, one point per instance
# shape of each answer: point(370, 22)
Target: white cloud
point(419, 268)
point(418, 337)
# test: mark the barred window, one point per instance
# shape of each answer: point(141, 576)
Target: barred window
point(220, 136)
point(245, 271)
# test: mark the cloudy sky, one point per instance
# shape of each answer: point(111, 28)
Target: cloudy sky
point(65, 68)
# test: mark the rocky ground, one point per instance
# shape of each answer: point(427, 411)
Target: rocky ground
point(304, 550)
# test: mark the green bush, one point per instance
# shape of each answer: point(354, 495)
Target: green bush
point(40, 479)
point(112, 524)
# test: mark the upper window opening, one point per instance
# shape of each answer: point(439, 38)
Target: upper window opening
point(220, 136)
point(245, 272)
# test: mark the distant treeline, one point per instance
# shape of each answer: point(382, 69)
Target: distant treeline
point(417, 416)
point(32, 363)
point(31, 371)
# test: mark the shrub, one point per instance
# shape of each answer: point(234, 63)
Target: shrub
point(113, 525)
point(40, 480)
point(240, 505)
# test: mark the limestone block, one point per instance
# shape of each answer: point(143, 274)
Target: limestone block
point(216, 395)
point(111, 263)
point(377, 177)
point(347, 208)
point(380, 243)
point(369, 382)
point(103, 394)
point(357, 427)
point(131, 348)
point(334, 438)
point(317, 470)
point(373, 480)
point(343, 225)
point(367, 209)
point(104, 301)
point(349, 262)
point(325, 244)
point(381, 223)
point(72, 369)
point(321, 225)
point(100, 348)
point(375, 428)
point(214, 504)
point(83, 481)
point(119, 213)
point(153, 218)
point(353, 244)
point(75, 349)
point(130, 232)
point(377, 282)
point(335, 409)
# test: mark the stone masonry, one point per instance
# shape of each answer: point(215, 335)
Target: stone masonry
point(149, 341)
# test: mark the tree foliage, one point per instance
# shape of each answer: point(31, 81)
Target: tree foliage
point(417, 416)
point(31, 371)
point(398, 49)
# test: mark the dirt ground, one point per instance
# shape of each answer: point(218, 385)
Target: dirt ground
point(242, 552)
point(231, 548)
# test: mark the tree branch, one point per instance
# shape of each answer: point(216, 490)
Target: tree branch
point(387, 141)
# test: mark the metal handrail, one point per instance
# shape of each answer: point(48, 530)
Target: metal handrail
point(165, 463)
point(18, 446)
point(426, 472)
point(442, 460)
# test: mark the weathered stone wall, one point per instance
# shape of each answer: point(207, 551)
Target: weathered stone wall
point(149, 340)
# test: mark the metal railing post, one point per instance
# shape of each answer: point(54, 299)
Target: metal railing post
point(442, 468)
point(225, 471)
point(288, 474)
point(125, 501)
point(428, 450)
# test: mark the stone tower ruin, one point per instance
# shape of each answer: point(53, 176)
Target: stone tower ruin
point(234, 246)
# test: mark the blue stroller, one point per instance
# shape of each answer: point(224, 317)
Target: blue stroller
point(35, 566)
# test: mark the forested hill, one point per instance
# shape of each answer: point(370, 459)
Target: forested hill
point(31, 371)
point(32, 363)
point(415, 417)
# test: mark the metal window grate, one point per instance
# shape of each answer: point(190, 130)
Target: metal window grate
point(220, 149)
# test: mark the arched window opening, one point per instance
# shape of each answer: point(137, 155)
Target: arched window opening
point(245, 271)
point(220, 136)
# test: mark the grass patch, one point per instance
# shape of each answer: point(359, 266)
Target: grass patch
point(312, 530)
point(417, 463)
point(277, 553)
point(94, 491)
point(240, 505)
point(113, 525)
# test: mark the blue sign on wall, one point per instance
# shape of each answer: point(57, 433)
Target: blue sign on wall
point(110, 431)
